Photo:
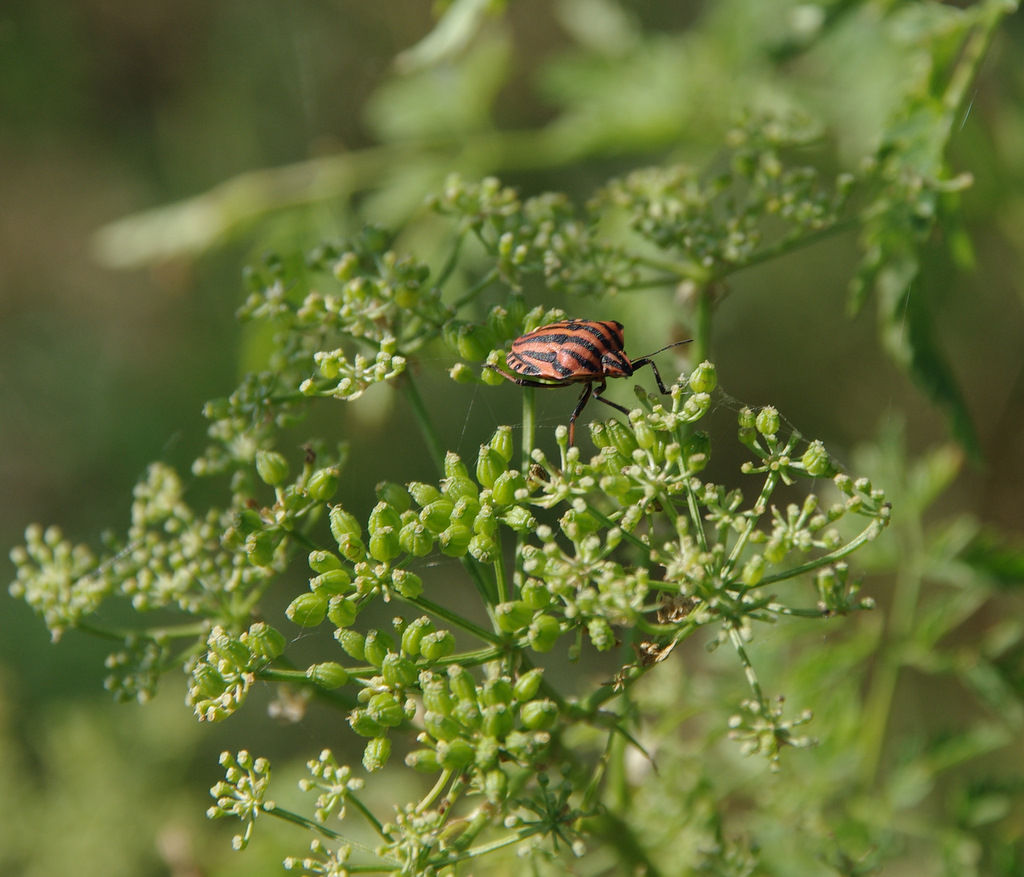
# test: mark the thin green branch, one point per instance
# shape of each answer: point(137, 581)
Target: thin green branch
point(865, 536)
point(456, 620)
point(425, 422)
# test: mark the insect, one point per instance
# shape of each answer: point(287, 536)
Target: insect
point(575, 352)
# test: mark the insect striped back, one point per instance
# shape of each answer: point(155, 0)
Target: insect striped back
point(570, 351)
point(575, 352)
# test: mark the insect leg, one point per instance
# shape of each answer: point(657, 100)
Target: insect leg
point(616, 405)
point(584, 396)
point(640, 363)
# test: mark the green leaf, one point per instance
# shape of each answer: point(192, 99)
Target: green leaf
point(997, 559)
point(905, 323)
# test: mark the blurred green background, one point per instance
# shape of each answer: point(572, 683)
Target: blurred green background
point(110, 108)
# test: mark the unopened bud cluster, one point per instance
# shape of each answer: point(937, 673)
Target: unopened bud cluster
point(544, 236)
point(222, 678)
point(472, 726)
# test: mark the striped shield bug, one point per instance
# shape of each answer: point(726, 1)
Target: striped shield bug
point(575, 352)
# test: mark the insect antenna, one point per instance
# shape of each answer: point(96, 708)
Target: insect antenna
point(663, 349)
point(648, 360)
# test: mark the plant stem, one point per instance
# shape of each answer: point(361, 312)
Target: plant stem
point(419, 409)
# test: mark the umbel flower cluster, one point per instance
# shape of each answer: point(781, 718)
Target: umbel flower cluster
point(622, 546)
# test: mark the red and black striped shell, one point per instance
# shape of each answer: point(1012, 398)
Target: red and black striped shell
point(571, 350)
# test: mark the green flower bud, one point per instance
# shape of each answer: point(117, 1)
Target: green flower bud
point(307, 610)
point(503, 491)
point(293, 500)
point(424, 760)
point(455, 754)
point(697, 451)
point(343, 524)
point(496, 691)
point(352, 641)
point(408, 584)
point(414, 633)
point(746, 418)
point(272, 467)
point(519, 519)
point(398, 672)
point(539, 715)
point(526, 746)
point(776, 550)
point(616, 485)
point(599, 435)
point(513, 615)
point(384, 515)
point(248, 521)
point(437, 645)
point(334, 583)
point(474, 342)
point(753, 570)
point(207, 681)
point(361, 722)
point(543, 633)
point(817, 461)
point(346, 267)
point(516, 307)
point(695, 407)
point(461, 683)
point(536, 596)
point(704, 378)
point(499, 720)
point(265, 641)
point(497, 322)
point(456, 488)
point(424, 494)
point(341, 612)
point(528, 685)
point(485, 524)
point(495, 786)
point(385, 709)
point(467, 714)
point(415, 539)
point(489, 465)
point(454, 540)
point(483, 548)
point(436, 697)
point(621, 438)
point(384, 544)
point(601, 634)
point(747, 436)
point(376, 754)
point(767, 421)
point(352, 548)
point(324, 561)
point(327, 675)
point(463, 374)
point(488, 751)
point(395, 495)
point(230, 650)
point(465, 510)
point(454, 467)
point(260, 547)
point(441, 727)
point(501, 443)
point(437, 516)
point(377, 645)
point(323, 484)
point(646, 437)
point(577, 525)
